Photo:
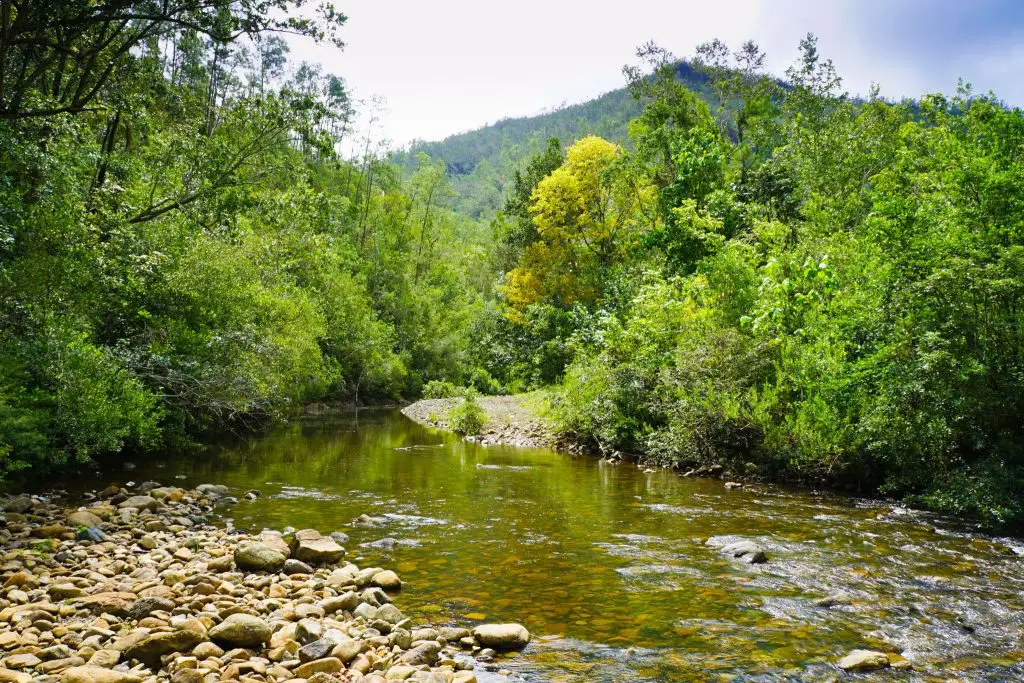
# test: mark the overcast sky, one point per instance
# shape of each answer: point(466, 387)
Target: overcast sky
point(446, 66)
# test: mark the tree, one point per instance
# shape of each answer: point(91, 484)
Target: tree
point(58, 56)
point(585, 212)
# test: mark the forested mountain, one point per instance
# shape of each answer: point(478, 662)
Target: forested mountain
point(481, 163)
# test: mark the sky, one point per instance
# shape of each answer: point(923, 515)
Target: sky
point(447, 66)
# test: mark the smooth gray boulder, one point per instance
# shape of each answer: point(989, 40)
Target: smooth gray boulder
point(748, 551)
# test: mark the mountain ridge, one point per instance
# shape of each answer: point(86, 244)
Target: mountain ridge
point(481, 163)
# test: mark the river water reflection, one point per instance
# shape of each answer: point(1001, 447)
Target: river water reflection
point(610, 568)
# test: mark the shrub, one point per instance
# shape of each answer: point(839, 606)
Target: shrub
point(467, 417)
point(482, 381)
point(440, 389)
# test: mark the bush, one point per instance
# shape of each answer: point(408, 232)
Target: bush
point(467, 417)
point(436, 388)
point(482, 381)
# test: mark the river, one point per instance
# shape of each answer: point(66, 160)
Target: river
point(610, 567)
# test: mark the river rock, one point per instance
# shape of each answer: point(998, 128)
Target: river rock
point(424, 653)
point(864, 660)
point(387, 579)
point(388, 613)
point(84, 518)
point(347, 649)
point(375, 596)
point(275, 540)
point(212, 490)
point(342, 576)
point(400, 672)
point(9, 676)
point(365, 610)
point(98, 674)
point(106, 659)
point(242, 630)
point(139, 502)
point(111, 603)
point(64, 591)
point(24, 660)
point(747, 551)
point(51, 531)
point(347, 602)
point(327, 665)
point(308, 630)
point(152, 647)
point(148, 587)
point(293, 566)
point(18, 504)
point(143, 607)
point(309, 546)
point(318, 649)
point(256, 556)
point(187, 676)
point(502, 636)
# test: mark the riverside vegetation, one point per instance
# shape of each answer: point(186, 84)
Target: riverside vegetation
point(183, 249)
point(768, 276)
point(779, 280)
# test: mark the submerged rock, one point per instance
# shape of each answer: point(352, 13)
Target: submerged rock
point(833, 600)
point(864, 660)
point(748, 551)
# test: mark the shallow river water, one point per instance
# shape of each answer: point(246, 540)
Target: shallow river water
point(610, 568)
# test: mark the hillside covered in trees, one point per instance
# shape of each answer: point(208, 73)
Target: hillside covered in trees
point(481, 163)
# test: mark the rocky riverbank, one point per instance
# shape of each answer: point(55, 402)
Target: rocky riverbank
point(138, 585)
point(510, 420)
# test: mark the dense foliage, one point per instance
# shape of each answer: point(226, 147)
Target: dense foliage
point(792, 284)
point(181, 248)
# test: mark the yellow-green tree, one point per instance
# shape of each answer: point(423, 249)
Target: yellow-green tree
point(587, 211)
